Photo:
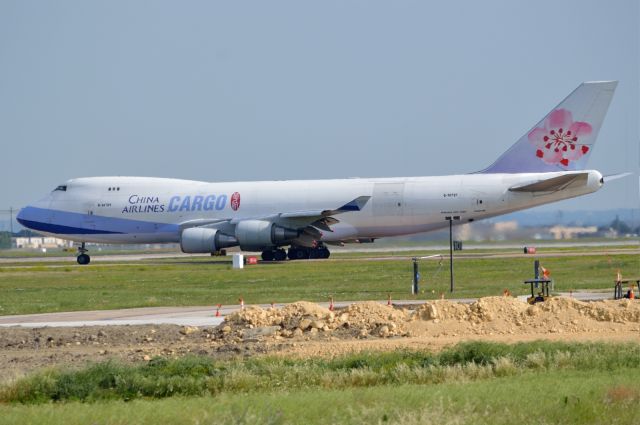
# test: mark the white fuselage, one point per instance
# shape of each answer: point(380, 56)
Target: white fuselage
point(155, 210)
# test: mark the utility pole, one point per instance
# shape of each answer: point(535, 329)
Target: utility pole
point(450, 220)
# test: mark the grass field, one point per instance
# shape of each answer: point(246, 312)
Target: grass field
point(473, 383)
point(36, 288)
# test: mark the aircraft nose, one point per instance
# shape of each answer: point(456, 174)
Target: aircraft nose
point(23, 215)
point(34, 213)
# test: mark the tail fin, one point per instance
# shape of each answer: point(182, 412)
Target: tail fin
point(564, 139)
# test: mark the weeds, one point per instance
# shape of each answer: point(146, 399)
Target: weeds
point(195, 376)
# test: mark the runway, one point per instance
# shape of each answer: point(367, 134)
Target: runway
point(189, 316)
point(468, 251)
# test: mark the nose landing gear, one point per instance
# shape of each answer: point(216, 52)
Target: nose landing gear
point(83, 258)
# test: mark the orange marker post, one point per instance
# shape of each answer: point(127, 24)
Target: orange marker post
point(218, 310)
point(389, 299)
point(330, 303)
point(241, 303)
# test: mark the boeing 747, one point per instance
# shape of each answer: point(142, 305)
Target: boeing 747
point(547, 164)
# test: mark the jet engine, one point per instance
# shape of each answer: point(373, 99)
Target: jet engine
point(256, 235)
point(200, 240)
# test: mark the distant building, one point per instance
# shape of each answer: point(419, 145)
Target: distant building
point(37, 242)
point(565, 232)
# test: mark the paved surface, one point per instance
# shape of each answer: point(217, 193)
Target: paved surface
point(365, 249)
point(185, 316)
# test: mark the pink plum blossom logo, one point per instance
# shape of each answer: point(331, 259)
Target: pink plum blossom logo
point(235, 201)
point(558, 142)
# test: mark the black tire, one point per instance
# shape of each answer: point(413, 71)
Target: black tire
point(292, 254)
point(83, 259)
point(267, 255)
point(280, 255)
point(302, 254)
point(325, 253)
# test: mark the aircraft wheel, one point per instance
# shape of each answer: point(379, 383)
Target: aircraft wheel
point(279, 255)
point(267, 255)
point(325, 253)
point(83, 259)
point(302, 254)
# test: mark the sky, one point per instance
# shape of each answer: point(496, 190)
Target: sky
point(228, 91)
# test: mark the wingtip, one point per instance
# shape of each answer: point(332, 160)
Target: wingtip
point(605, 83)
point(356, 204)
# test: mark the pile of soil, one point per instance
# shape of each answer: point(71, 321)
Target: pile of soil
point(306, 329)
point(308, 319)
point(487, 316)
point(507, 315)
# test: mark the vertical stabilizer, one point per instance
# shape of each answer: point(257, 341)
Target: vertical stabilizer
point(564, 139)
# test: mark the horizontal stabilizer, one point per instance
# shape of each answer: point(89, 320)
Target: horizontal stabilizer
point(553, 184)
point(612, 177)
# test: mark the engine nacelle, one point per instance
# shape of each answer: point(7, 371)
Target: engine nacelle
point(257, 235)
point(201, 240)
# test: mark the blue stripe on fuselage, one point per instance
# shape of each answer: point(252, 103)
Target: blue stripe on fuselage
point(71, 223)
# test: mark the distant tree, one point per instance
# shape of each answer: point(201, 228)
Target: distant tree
point(26, 233)
point(620, 226)
point(5, 240)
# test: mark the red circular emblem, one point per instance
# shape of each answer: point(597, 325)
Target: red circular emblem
point(235, 201)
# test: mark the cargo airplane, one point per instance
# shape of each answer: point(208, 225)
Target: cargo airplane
point(545, 165)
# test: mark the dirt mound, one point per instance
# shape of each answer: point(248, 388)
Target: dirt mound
point(372, 318)
point(307, 330)
point(309, 319)
point(483, 310)
point(507, 315)
point(619, 311)
point(486, 316)
point(442, 310)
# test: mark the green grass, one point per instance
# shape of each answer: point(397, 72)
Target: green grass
point(197, 376)
point(473, 383)
point(568, 397)
point(209, 281)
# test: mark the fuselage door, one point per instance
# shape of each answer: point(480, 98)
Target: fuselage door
point(388, 199)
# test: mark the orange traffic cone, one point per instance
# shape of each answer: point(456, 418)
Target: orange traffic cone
point(545, 273)
point(218, 310)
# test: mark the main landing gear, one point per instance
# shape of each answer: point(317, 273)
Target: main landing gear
point(83, 258)
point(296, 253)
point(274, 255)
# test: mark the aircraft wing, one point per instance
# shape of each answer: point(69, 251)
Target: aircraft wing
point(354, 205)
point(321, 219)
point(552, 184)
point(309, 224)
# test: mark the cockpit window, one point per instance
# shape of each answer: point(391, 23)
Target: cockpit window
point(62, 187)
